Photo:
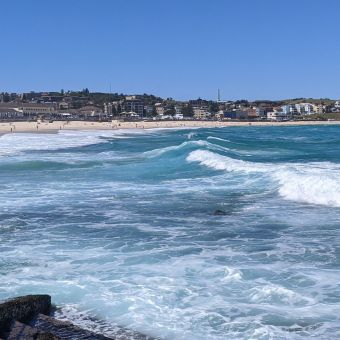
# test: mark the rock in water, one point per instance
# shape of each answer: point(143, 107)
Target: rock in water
point(22, 331)
point(219, 212)
point(23, 309)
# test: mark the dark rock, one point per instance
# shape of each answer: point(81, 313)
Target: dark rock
point(219, 212)
point(22, 331)
point(23, 309)
point(28, 317)
point(64, 329)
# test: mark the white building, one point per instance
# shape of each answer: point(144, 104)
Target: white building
point(159, 109)
point(289, 109)
point(277, 116)
point(304, 108)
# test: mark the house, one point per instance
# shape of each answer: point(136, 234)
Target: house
point(90, 110)
point(159, 109)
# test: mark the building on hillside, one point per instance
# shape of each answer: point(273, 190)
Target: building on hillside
point(252, 113)
point(261, 112)
point(108, 108)
point(318, 108)
point(304, 108)
point(198, 102)
point(277, 116)
point(30, 109)
point(289, 110)
point(159, 109)
point(236, 114)
point(201, 112)
point(148, 110)
point(178, 109)
point(90, 111)
point(113, 108)
point(64, 105)
point(132, 104)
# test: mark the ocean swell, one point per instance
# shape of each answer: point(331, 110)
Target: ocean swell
point(314, 183)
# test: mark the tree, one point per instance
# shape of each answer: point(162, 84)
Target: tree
point(213, 107)
point(170, 111)
point(187, 111)
point(154, 112)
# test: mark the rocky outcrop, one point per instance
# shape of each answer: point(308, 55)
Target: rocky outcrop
point(29, 318)
point(23, 309)
point(63, 329)
point(22, 331)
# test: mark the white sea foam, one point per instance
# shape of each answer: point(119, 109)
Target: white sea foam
point(232, 275)
point(309, 187)
point(275, 294)
point(19, 142)
point(220, 162)
point(314, 183)
point(220, 139)
point(199, 143)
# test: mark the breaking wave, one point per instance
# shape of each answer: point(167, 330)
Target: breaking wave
point(199, 143)
point(15, 143)
point(314, 183)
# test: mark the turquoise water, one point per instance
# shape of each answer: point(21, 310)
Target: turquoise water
point(120, 226)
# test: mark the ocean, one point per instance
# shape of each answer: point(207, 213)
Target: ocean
point(195, 234)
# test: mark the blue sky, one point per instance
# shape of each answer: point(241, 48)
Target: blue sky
point(251, 49)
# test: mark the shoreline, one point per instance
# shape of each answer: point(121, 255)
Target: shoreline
point(54, 127)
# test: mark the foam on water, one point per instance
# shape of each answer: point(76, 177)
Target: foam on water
point(311, 182)
point(200, 143)
point(19, 142)
point(133, 240)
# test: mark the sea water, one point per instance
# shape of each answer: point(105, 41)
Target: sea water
point(121, 226)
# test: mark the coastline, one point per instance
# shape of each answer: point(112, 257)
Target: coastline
point(54, 127)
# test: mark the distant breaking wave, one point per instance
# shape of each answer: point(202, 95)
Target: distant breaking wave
point(199, 143)
point(315, 183)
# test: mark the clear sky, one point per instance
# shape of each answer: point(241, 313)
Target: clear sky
point(250, 49)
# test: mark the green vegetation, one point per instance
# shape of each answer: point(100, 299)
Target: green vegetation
point(323, 116)
point(187, 111)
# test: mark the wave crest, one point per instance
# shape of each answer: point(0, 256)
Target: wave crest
point(314, 183)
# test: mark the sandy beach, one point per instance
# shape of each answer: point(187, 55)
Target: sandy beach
point(46, 127)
